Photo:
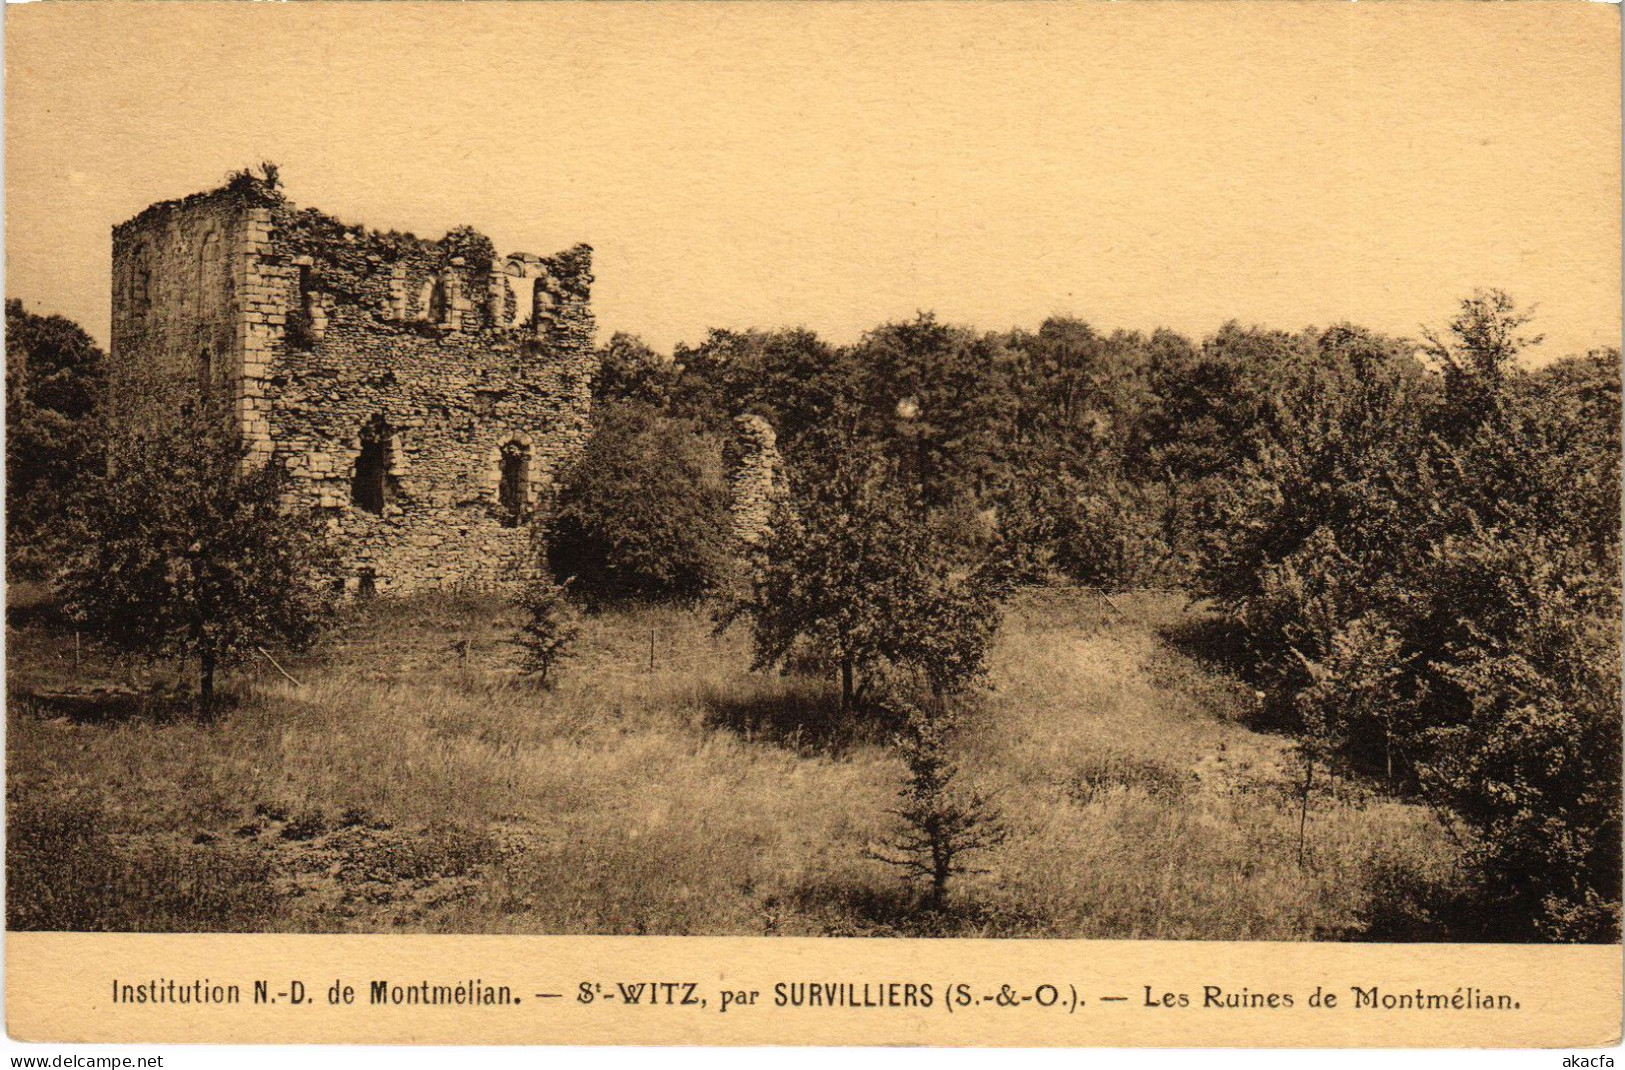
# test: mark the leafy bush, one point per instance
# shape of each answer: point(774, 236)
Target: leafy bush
point(1099, 530)
point(644, 512)
point(1429, 585)
point(1529, 755)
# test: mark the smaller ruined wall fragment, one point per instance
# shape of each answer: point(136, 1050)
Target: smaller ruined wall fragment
point(755, 478)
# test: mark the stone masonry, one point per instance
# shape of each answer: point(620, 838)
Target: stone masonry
point(424, 395)
point(755, 478)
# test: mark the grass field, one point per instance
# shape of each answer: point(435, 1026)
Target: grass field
point(409, 782)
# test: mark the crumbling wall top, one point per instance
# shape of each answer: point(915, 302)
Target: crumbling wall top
point(240, 192)
point(456, 281)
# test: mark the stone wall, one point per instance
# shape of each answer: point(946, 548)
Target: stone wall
point(179, 269)
point(424, 395)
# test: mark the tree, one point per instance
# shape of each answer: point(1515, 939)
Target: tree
point(644, 512)
point(938, 396)
point(1343, 446)
point(1215, 407)
point(1075, 388)
point(54, 374)
point(61, 368)
point(550, 628)
point(1475, 355)
point(1354, 684)
point(628, 370)
point(1577, 400)
point(791, 378)
point(184, 549)
point(942, 820)
point(853, 572)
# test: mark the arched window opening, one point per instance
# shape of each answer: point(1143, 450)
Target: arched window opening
point(370, 486)
point(366, 583)
point(513, 489)
point(205, 371)
point(301, 328)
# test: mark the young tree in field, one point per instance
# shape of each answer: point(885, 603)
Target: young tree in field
point(550, 628)
point(943, 821)
point(853, 572)
point(185, 550)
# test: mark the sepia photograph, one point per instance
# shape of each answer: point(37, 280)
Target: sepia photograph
point(1034, 472)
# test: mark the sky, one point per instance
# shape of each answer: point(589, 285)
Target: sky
point(841, 165)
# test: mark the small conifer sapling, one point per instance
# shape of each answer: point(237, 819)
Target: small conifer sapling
point(549, 630)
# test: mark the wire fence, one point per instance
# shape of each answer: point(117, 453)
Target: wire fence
point(664, 643)
point(691, 643)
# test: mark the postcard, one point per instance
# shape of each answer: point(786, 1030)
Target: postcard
point(993, 524)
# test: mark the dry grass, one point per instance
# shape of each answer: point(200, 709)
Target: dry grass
point(410, 783)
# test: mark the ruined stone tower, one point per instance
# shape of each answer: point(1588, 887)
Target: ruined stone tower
point(423, 395)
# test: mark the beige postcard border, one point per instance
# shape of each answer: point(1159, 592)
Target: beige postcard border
point(60, 988)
